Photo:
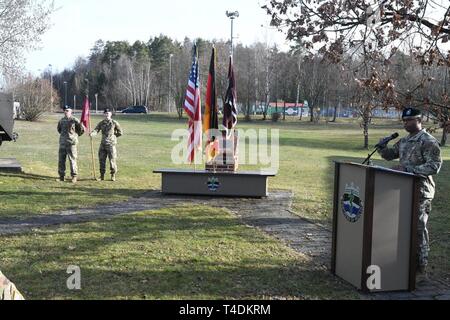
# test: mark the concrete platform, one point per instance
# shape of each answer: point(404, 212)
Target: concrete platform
point(248, 184)
point(10, 165)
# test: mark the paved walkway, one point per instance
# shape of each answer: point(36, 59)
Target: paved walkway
point(272, 215)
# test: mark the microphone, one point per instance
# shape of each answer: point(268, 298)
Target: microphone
point(386, 140)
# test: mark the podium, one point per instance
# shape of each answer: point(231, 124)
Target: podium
point(375, 220)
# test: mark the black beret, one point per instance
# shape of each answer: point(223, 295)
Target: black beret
point(411, 113)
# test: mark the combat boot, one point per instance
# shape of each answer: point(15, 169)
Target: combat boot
point(102, 177)
point(113, 177)
point(74, 179)
point(61, 178)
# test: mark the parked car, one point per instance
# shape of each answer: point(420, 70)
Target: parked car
point(136, 109)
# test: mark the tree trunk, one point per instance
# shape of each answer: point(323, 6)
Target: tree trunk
point(335, 114)
point(366, 133)
point(445, 134)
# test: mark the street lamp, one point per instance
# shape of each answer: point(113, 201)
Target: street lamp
point(267, 68)
point(87, 92)
point(65, 94)
point(96, 103)
point(51, 87)
point(232, 16)
point(170, 82)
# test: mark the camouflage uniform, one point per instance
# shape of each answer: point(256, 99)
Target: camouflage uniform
point(69, 130)
point(419, 154)
point(8, 290)
point(110, 131)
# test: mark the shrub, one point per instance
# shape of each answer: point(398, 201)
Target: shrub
point(35, 98)
point(276, 116)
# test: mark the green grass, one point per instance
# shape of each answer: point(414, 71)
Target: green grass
point(183, 253)
point(307, 153)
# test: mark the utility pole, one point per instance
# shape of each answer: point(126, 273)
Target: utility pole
point(170, 83)
point(256, 83)
point(51, 87)
point(96, 103)
point(267, 72)
point(65, 94)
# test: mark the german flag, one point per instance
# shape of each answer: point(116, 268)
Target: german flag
point(211, 117)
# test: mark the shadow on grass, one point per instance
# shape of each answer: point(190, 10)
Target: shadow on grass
point(170, 256)
point(73, 190)
point(191, 282)
point(27, 176)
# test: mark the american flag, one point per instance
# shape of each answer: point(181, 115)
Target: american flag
point(230, 111)
point(193, 110)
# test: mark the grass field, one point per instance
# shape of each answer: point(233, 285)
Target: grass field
point(183, 260)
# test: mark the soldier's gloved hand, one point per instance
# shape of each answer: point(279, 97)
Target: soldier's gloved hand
point(93, 134)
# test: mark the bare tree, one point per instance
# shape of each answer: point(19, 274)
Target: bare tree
point(313, 81)
point(372, 32)
point(22, 23)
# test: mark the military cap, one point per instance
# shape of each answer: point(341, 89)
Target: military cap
point(106, 110)
point(67, 108)
point(411, 113)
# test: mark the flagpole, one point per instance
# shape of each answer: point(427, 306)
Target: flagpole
point(92, 151)
point(88, 107)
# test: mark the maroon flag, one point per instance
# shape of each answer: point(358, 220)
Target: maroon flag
point(230, 114)
point(85, 115)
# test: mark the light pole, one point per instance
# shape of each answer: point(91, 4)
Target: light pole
point(170, 82)
point(87, 92)
point(267, 69)
point(65, 94)
point(232, 16)
point(96, 103)
point(51, 87)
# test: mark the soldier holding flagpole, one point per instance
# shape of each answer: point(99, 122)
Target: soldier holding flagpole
point(86, 122)
point(110, 130)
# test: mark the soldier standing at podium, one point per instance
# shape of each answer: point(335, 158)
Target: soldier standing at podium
point(419, 153)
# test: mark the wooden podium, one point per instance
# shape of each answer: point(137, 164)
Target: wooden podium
point(375, 224)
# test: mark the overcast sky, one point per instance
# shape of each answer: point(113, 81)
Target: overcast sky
point(77, 24)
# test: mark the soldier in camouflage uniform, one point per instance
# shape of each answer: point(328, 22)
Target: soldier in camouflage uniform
point(69, 129)
point(8, 290)
point(420, 154)
point(111, 130)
